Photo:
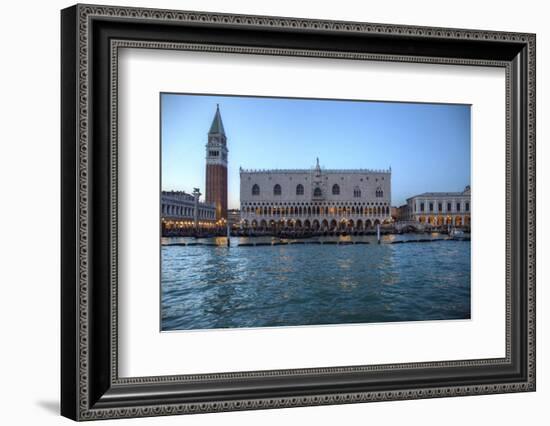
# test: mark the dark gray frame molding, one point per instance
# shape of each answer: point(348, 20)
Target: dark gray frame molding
point(91, 38)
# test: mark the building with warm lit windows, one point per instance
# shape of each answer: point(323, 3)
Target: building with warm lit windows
point(181, 211)
point(440, 208)
point(316, 198)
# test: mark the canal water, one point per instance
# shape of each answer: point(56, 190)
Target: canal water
point(208, 285)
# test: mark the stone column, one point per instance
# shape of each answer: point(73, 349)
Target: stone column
point(196, 194)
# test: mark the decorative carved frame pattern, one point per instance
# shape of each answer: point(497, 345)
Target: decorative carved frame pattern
point(115, 46)
point(85, 13)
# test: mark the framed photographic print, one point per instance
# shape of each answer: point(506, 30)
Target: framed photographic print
point(263, 212)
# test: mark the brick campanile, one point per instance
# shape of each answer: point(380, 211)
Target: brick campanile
point(216, 166)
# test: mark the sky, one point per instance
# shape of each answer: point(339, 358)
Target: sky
point(427, 146)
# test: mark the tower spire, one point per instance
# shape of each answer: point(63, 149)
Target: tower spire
point(217, 123)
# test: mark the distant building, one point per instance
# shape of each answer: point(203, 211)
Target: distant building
point(216, 166)
point(183, 211)
point(233, 217)
point(394, 213)
point(440, 208)
point(315, 198)
point(400, 213)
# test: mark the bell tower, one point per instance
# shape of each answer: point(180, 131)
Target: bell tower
point(216, 166)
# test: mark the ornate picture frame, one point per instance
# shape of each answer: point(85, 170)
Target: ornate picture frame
point(90, 38)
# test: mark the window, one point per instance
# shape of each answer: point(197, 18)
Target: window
point(255, 190)
point(335, 189)
point(457, 207)
point(421, 207)
point(449, 207)
point(379, 192)
point(317, 192)
point(277, 190)
point(467, 207)
point(440, 207)
point(214, 153)
point(357, 193)
point(431, 207)
point(300, 189)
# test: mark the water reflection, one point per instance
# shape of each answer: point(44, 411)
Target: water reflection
point(206, 284)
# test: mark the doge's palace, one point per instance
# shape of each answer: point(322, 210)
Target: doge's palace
point(315, 198)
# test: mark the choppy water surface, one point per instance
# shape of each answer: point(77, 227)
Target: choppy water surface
point(207, 286)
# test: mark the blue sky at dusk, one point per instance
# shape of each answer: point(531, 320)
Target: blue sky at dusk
point(426, 145)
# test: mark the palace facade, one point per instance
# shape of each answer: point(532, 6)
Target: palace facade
point(316, 198)
point(440, 208)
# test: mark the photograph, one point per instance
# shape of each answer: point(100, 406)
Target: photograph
point(283, 212)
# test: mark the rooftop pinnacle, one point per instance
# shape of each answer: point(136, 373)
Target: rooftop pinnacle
point(217, 124)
